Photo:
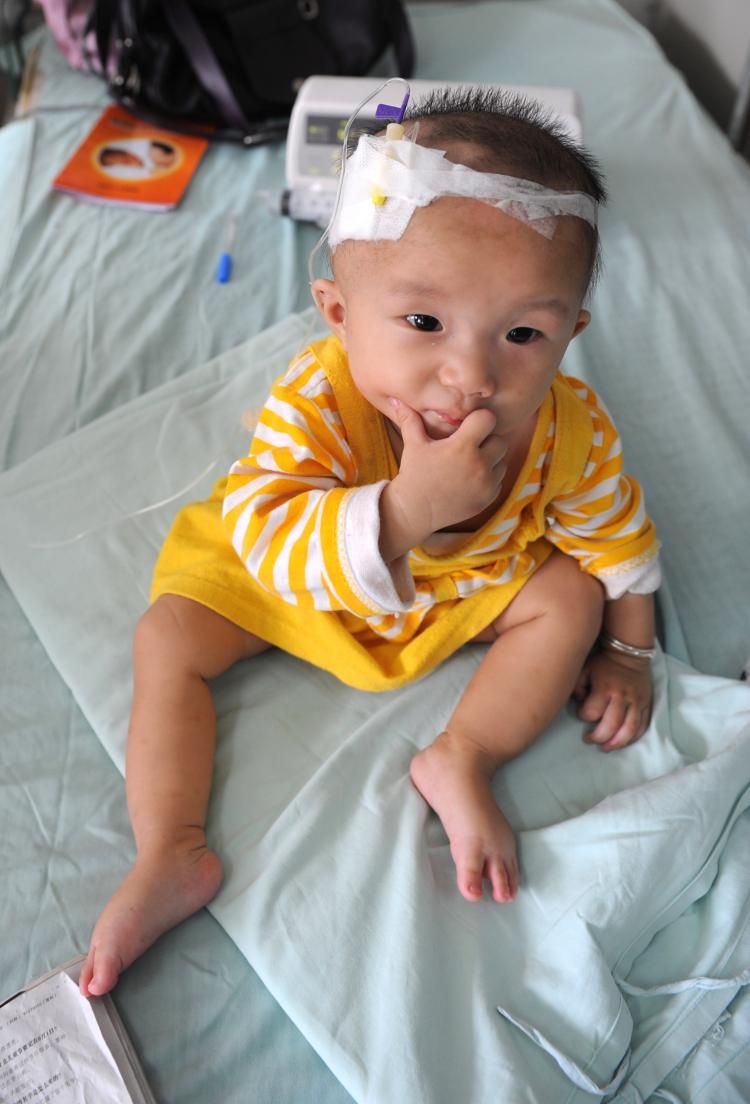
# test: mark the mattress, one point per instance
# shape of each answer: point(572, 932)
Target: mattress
point(113, 333)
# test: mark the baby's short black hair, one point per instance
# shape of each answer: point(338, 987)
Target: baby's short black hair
point(515, 135)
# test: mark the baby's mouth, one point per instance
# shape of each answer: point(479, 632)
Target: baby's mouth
point(440, 423)
point(449, 417)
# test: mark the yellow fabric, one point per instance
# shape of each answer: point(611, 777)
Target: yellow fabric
point(199, 562)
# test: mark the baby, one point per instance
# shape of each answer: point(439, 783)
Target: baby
point(422, 479)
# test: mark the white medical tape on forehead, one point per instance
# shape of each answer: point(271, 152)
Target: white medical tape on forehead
point(385, 180)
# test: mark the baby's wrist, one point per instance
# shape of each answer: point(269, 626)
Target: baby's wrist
point(634, 666)
point(400, 528)
point(636, 657)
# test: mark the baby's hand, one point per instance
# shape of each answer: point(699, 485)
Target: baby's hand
point(616, 692)
point(446, 481)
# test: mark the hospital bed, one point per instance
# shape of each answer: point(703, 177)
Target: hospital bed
point(338, 961)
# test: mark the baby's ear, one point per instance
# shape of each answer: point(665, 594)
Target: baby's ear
point(330, 303)
point(584, 317)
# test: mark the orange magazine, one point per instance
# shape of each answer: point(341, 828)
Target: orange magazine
point(128, 163)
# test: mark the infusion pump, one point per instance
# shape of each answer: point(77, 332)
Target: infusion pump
point(320, 113)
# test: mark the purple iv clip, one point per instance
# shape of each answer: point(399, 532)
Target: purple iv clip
point(388, 111)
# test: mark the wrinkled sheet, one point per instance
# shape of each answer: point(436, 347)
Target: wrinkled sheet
point(98, 307)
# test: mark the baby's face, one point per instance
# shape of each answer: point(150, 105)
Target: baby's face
point(469, 308)
point(161, 157)
point(121, 157)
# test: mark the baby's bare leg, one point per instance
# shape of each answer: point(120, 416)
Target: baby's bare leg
point(528, 674)
point(178, 646)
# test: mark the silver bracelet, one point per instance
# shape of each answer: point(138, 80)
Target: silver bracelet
point(609, 641)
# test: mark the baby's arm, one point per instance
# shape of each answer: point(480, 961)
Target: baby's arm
point(614, 689)
point(603, 524)
point(309, 533)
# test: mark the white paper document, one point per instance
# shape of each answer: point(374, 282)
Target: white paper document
point(52, 1049)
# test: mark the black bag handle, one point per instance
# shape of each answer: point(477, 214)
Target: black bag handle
point(108, 18)
point(188, 32)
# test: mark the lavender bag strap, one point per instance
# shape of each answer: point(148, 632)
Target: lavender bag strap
point(189, 33)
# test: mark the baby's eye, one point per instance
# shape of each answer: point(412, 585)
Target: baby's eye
point(522, 335)
point(424, 322)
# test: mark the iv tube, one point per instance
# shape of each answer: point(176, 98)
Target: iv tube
point(344, 145)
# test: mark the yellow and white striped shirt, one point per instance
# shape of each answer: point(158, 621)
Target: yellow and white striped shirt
point(302, 509)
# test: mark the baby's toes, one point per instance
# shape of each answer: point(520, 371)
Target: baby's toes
point(468, 855)
point(87, 973)
point(503, 876)
point(99, 973)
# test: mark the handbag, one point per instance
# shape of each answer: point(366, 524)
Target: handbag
point(230, 69)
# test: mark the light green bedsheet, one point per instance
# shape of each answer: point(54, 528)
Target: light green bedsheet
point(340, 887)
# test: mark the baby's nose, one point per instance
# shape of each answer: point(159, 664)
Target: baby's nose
point(472, 371)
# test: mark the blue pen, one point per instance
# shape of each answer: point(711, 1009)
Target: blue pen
point(224, 268)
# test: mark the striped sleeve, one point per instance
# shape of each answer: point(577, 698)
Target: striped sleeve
point(603, 522)
point(294, 517)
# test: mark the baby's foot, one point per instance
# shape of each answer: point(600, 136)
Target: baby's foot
point(450, 780)
point(160, 890)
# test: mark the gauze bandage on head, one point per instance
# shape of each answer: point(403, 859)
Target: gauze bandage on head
point(387, 178)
